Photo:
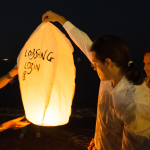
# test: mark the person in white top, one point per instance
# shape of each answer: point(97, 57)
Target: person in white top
point(123, 110)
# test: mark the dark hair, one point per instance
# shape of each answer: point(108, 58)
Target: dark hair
point(147, 50)
point(114, 48)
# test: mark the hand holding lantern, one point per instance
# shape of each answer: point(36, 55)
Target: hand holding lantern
point(15, 124)
point(51, 16)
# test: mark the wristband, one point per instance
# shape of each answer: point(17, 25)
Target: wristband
point(8, 76)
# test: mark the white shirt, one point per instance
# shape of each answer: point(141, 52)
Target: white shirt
point(123, 112)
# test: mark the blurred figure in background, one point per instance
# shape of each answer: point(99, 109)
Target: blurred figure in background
point(147, 65)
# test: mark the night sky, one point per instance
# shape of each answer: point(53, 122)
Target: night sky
point(128, 19)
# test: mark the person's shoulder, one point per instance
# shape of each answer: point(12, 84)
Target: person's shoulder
point(142, 93)
point(143, 87)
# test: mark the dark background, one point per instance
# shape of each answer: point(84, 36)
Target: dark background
point(128, 19)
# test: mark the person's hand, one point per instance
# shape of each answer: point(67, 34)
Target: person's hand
point(15, 123)
point(92, 145)
point(14, 71)
point(94, 148)
point(51, 16)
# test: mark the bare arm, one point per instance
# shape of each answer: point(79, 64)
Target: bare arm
point(4, 80)
point(15, 124)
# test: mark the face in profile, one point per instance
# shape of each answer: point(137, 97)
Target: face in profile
point(147, 64)
point(102, 69)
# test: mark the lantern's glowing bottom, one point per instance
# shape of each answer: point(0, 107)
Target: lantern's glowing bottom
point(52, 118)
point(53, 111)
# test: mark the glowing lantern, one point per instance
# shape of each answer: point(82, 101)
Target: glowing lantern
point(47, 76)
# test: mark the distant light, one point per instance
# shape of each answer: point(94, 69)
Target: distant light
point(5, 59)
point(78, 59)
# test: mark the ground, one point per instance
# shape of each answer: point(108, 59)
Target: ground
point(76, 135)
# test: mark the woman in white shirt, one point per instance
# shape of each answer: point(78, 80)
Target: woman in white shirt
point(123, 116)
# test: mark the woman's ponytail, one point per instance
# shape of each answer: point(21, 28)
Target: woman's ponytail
point(109, 46)
point(134, 74)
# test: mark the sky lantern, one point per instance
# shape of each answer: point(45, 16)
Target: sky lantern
point(47, 76)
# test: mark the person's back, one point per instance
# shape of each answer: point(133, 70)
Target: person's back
point(120, 116)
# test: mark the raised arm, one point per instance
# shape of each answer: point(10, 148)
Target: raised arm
point(79, 37)
point(8, 77)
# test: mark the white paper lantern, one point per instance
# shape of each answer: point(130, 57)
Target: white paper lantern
point(47, 76)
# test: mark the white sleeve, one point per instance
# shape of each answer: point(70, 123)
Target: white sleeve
point(80, 38)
